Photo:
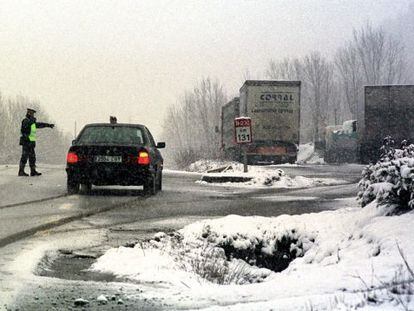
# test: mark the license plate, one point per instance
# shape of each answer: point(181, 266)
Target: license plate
point(113, 159)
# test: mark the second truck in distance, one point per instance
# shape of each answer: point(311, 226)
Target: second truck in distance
point(274, 108)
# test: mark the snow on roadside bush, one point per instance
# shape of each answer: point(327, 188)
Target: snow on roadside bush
point(232, 250)
point(205, 259)
point(390, 180)
point(256, 240)
point(244, 250)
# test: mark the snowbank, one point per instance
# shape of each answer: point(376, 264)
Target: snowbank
point(266, 176)
point(202, 166)
point(336, 257)
point(308, 155)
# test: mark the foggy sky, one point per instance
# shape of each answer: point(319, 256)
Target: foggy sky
point(86, 60)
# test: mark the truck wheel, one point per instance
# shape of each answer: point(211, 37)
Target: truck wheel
point(150, 185)
point(72, 186)
point(292, 160)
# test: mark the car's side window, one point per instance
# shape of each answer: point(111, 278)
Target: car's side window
point(139, 137)
point(151, 139)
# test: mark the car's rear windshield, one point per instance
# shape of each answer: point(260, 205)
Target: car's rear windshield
point(118, 135)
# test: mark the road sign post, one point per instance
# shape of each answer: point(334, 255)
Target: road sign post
point(243, 136)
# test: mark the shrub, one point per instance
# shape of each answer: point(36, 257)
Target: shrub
point(390, 180)
point(206, 260)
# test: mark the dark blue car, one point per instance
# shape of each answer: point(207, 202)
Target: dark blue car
point(114, 154)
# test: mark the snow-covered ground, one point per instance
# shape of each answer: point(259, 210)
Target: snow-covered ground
point(259, 176)
point(15, 190)
point(345, 259)
point(348, 258)
point(269, 177)
point(264, 176)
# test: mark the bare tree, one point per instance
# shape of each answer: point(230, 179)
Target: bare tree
point(372, 57)
point(318, 80)
point(287, 69)
point(51, 145)
point(246, 75)
point(382, 56)
point(349, 77)
point(190, 126)
point(332, 91)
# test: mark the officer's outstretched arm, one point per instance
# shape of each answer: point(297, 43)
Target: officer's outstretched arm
point(42, 125)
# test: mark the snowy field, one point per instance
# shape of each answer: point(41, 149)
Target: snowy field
point(349, 258)
point(346, 258)
point(342, 259)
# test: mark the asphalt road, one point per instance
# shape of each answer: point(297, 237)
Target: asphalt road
point(80, 228)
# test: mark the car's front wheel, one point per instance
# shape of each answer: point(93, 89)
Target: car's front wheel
point(73, 186)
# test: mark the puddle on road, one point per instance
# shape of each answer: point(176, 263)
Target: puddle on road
point(71, 266)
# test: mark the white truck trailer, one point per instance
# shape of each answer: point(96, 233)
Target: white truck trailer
point(274, 108)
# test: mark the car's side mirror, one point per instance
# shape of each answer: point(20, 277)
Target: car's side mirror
point(161, 145)
point(73, 141)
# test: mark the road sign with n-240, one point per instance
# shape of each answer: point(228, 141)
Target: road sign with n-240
point(243, 130)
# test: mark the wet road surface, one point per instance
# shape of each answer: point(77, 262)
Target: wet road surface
point(111, 217)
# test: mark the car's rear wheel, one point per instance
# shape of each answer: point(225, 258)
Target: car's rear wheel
point(85, 188)
point(159, 181)
point(72, 186)
point(150, 186)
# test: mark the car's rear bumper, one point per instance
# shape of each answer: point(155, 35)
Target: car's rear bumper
point(109, 174)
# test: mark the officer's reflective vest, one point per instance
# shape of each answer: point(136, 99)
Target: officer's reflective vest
point(32, 136)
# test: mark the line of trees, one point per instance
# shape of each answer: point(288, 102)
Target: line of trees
point(332, 89)
point(332, 92)
point(51, 145)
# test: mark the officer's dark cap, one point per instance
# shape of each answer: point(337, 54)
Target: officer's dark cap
point(31, 110)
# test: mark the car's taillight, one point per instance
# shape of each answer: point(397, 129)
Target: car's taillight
point(143, 158)
point(72, 158)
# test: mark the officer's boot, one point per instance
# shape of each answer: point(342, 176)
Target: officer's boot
point(33, 171)
point(21, 171)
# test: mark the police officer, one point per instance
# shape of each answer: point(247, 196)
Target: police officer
point(28, 142)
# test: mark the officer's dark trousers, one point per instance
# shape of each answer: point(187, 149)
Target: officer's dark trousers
point(28, 152)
